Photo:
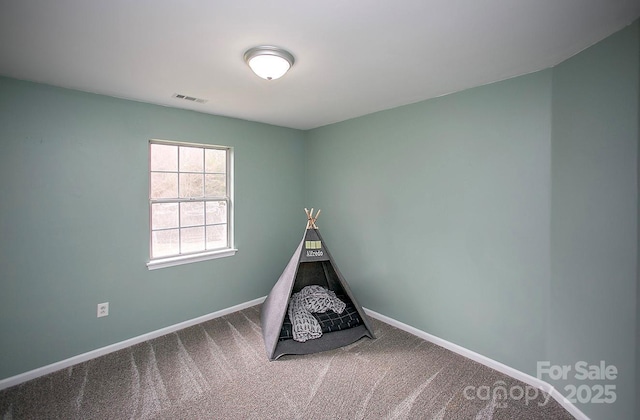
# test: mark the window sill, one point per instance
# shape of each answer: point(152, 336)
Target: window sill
point(187, 259)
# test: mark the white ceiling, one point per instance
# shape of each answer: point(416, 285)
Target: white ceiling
point(353, 57)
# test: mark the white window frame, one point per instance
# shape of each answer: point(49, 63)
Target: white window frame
point(169, 261)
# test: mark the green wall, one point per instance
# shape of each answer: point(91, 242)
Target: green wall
point(638, 261)
point(502, 218)
point(438, 213)
point(74, 220)
point(594, 211)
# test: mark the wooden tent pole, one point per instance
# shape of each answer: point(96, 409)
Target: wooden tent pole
point(311, 221)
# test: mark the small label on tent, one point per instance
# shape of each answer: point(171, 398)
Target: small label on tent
point(313, 245)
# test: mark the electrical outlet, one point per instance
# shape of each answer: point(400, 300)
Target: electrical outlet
point(103, 309)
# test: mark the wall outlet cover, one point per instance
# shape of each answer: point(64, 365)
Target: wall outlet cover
point(103, 309)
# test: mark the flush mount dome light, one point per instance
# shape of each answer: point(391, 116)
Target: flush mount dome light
point(269, 62)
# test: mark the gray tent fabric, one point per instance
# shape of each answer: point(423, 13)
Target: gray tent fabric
point(311, 264)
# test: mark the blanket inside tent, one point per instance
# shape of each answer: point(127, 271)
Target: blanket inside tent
point(311, 299)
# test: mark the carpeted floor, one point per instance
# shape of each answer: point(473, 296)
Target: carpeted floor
point(219, 370)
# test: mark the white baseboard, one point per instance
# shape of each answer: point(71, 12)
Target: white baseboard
point(45, 370)
point(500, 367)
point(493, 364)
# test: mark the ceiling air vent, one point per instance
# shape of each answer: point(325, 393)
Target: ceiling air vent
point(189, 98)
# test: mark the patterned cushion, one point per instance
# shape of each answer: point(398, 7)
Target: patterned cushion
point(329, 321)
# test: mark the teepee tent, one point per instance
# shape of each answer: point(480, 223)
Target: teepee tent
point(311, 264)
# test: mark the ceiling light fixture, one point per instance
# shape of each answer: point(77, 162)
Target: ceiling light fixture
point(269, 62)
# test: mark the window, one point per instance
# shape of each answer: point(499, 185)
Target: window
point(190, 202)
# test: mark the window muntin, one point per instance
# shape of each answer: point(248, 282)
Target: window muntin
point(189, 199)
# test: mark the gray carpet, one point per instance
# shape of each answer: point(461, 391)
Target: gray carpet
point(219, 370)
